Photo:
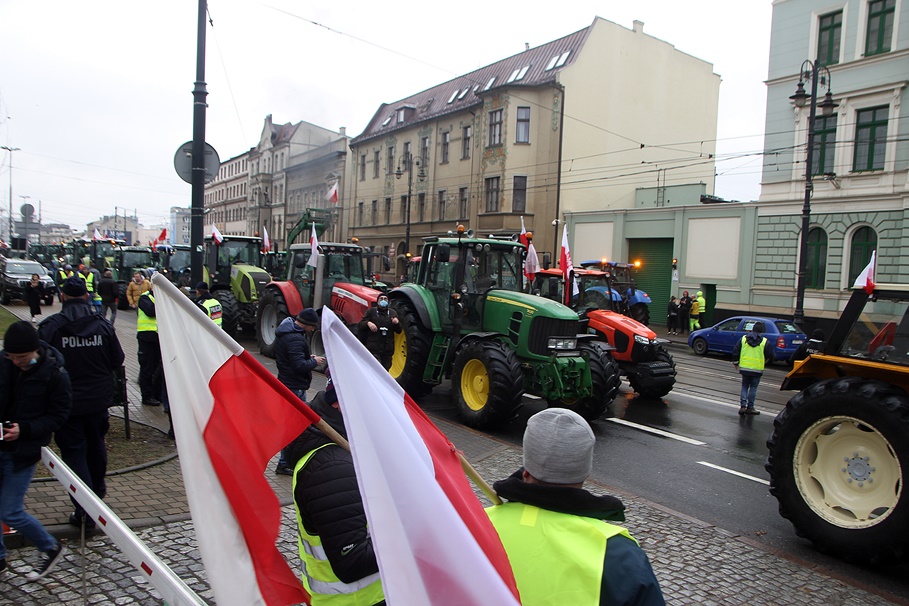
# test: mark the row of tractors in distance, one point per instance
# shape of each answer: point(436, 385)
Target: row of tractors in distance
point(626, 298)
point(635, 347)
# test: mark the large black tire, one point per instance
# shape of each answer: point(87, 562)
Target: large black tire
point(122, 301)
point(272, 311)
point(486, 384)
point(230, 311)
point(4, 296)
point(411, 351)
point(837, 459)
point(658, 388)
point(641, 313)
point(606, 379)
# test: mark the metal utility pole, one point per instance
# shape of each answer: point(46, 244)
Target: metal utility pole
point(10, 150)
point(198, 160)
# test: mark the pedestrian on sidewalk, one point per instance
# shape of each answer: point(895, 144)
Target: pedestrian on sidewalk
point(672, 323)
point(749, 355)
point(339, 560)
point(685, 312)
point(559, 538)
point(149, 352)
point(92, 354)
point(136, 288)
point(34, 292)
point(108, 289)
point(35, 399)
point(295, 362)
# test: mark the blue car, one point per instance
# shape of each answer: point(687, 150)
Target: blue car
point(784, 335)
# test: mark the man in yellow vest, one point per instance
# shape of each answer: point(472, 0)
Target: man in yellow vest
point(207, 303)
point(339, 562)
point(749, 355)
point(94, 299)
point(149, 351)
point(561, 547)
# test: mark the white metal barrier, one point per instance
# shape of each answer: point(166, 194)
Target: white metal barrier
point(171, 587)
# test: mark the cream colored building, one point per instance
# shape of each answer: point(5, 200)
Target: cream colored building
point(577, 124)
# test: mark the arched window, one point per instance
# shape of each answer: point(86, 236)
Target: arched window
point(816, 265)
point(864, 241)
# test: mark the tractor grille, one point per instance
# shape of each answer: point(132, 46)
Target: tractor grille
point(541, 329)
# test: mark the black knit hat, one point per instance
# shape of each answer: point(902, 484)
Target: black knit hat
point(20, 337)
point(73, 287)
point(202, 286)
point(308, 316)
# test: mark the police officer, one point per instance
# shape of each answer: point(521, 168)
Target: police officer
point(207, 303)
point(377, 330)
point(91, 353)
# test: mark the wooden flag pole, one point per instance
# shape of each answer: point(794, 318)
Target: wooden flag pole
point(477, 479)
point(329, 431)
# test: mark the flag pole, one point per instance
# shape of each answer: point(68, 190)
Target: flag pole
point(337, 438)
point(477, 479)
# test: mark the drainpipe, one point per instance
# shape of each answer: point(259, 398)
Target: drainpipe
point(555, 242)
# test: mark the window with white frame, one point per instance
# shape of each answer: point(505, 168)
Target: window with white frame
point(493, 185)
point(881, 14)
point(495, 127)
point(446, 139)
point(522, 132)
point(870, 138)
point(465, 143)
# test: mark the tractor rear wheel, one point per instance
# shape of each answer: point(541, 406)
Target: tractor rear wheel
point(486, 384)
point(272, 311)
point(230, 311)
point(641, 313)
point(650, 387)
point(122, 301)
point(838, 464)
point(411, 351)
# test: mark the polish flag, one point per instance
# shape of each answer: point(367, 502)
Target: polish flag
point(434, 542)
point(97, 235)
point(332, 195)
point(216, 235)
point(314, 246)
point(231, 415)
point(266, 243)
point(565, 263)
point(532, 262)
point(162, 237)
point(866, 278)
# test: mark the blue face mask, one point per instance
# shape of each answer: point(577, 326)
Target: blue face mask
point(383, 303)
point(33, 361)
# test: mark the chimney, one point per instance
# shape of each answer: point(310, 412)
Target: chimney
point(343, 131)
point(638, 27)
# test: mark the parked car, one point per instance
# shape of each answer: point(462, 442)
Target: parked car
point(15, 274)
point(784, 335)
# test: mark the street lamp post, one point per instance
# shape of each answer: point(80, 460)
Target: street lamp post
point(408, 162)
point(10, 150)
point(816, 73)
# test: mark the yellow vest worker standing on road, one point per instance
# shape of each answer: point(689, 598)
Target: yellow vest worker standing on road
point(749, 355)
point(149, 353)
point(561, 547)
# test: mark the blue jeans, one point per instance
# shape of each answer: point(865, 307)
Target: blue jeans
point(13, 485)
point(749, 389)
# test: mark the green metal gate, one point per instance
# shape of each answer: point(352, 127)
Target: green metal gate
point(654, 276)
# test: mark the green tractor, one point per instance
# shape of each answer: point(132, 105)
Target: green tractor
point(126, 261)
point(99, 253)
point(465, 316)
point(235, 279)
point(174, 262)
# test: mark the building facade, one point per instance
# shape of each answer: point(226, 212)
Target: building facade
point(227, 197)
point(123, 227)
point(178, 230)
point(565, 127)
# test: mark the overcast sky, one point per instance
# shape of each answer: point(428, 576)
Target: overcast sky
point(97, 94)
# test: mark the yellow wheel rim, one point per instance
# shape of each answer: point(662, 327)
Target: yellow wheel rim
point(847, 472)
point(399, 357)
point(475, 385)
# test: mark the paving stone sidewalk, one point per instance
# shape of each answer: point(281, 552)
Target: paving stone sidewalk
point(696, 563)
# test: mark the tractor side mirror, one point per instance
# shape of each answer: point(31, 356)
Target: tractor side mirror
point(300, 260)
point(443, 253)
point(547, 260)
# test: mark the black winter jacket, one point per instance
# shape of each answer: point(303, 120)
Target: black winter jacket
point(292, 356)
point(38, 399)
point(91, 351)
point(376, 342)
point(328, 498)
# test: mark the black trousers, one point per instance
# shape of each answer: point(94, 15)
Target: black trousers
point(81, 442)
point(150, 377)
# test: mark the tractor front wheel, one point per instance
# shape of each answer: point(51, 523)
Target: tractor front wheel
point(411, 351)
point(230, 311)
point(650, 386)
point(272, 311)
point(486, 384)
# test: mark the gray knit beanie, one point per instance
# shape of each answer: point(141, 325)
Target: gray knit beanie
point(558, 447)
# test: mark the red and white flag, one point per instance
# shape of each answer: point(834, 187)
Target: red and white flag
point(231, 415)
point(434, 542)
point(97, 235)
point(866, 278)
point(332, 195)
point(162, 237)
point(266, 242)
point(532, 262)
point(314, 248)
point(216, 235)
point(565, 263)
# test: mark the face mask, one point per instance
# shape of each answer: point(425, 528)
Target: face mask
point(383, 304)
point(33, 361)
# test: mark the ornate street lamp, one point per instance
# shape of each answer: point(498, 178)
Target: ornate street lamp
point(408, 161)
point(815, 73)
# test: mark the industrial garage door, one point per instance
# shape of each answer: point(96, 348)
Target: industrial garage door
point(655, 273)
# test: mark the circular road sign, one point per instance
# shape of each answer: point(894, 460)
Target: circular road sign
point(183, 162)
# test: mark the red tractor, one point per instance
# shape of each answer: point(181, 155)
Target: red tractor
point(638, 352)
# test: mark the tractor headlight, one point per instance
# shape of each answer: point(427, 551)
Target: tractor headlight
point(641, 339)
point(563, 343)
